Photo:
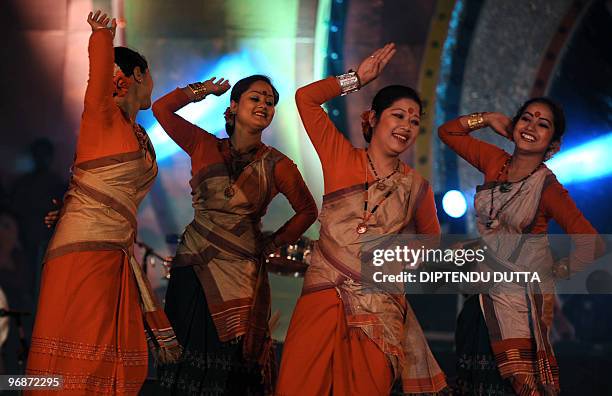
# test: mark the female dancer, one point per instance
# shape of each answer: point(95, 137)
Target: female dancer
point(218, 298)
point(89, 324)
point(345, 338)
point(502, 336)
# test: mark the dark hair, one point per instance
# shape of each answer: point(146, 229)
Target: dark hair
point(5, 210)
point(127, 59)
point(556, 110)
point(41, 146)
point(385, 98)
point(240, 88)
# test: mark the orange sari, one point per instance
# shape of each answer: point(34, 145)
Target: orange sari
point(89, 328)
point(342, 338)
point(517, 319)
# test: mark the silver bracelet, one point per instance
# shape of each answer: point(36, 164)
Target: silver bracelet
point(349, 82)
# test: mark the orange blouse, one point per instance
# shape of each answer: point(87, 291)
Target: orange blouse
point(104, 130)
point(555, 202)
point(345, 165)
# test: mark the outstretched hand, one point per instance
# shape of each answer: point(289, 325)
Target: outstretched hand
point(97, 21)
point(217, 88)
point(372, 66)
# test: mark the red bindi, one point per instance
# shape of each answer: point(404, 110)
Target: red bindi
point(537, 113)
point(410, 110)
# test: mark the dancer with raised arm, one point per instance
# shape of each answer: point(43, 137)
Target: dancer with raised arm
point(347, 336)
point(89, 326)
point(218, 298)
point(503, 336)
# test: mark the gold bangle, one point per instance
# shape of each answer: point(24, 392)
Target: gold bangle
point(475, 121)
point(199, 91)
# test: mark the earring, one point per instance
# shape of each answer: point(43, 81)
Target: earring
point(552, 150)
point(548, 155)
point(229, 116)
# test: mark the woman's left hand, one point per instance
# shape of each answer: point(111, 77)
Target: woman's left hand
point(373, 65)
point(561, 269)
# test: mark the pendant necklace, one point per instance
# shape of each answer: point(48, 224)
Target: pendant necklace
point(362, 227)
point(505, 187)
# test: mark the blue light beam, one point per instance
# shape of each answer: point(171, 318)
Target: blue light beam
point(586, 162)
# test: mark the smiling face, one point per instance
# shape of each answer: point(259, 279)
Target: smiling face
point(397, 127)
point(534, 130)
point(255, 109)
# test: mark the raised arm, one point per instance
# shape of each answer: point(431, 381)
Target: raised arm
point(331, 146)
point(480, 154)
point(328, 141)
point(99, 94)
point(183, 132)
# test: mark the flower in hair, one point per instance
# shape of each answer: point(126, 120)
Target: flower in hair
point(229, 116)
point(121, 83)
point(365, 121)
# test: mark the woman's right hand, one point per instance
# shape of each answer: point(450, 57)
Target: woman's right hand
point(210, 86)
point(97, 21)
point(217, 88)
point(500, 123)
point(373, 65)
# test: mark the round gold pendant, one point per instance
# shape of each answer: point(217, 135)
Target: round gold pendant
point(362, 228)
point(381, 186)
point(229, 192)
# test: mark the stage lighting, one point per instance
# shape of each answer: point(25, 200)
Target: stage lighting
point(454, 203)
point(583, 163)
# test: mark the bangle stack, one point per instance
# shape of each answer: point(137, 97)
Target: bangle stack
point(349, 82)
point(476, 121)
point(199, 91)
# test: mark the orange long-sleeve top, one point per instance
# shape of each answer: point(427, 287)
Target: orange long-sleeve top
point(343, 164)
point(104, 130)
point(555, 202)
point(203, 149)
